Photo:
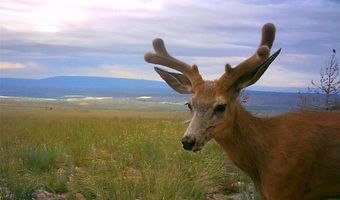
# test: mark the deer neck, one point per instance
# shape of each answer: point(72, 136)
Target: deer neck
point(242, 140)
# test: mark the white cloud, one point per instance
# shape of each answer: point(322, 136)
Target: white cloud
point(212, 67)
point(10, 65)
point(278, 76)
point(4, 65)
point(135, 72)
point(216, 60)
point(207, 33)
point(58, 15)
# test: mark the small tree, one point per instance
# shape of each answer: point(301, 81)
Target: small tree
point(325, 92)
point(244, 97)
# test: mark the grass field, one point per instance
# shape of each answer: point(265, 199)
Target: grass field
point(106, 154)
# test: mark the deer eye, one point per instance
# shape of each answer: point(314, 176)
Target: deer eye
point(220, 108)
point(189, 106)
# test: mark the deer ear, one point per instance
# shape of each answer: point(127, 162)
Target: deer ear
point(179, 82)
point(253, 76)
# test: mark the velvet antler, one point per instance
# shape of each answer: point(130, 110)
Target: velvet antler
point(250, 70)
point(162, 57)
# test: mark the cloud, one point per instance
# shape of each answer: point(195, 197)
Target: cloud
point(57, 16)
point(87, 37)
point(9, 65)
point(279, 76)
point(134, 72)
point(4, 65)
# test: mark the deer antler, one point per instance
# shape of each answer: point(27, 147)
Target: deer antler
point(263, 51)
point(162, 57)
point(252, 68)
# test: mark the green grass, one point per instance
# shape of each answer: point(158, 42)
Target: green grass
point(107, 155)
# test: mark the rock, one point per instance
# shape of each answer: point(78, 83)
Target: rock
point(7, 194)
point(44, 195)
point(79, 196)
point(217, 196)
point(237, 196)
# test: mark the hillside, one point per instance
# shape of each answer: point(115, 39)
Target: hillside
point(81, 85)
point(65, 87)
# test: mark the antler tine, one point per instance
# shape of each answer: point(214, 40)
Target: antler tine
point(268, 35)
point(162, 57)
point(262, 52)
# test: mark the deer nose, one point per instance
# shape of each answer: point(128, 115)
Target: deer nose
point(188, 143)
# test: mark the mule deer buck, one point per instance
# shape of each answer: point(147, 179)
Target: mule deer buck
point(294, 156)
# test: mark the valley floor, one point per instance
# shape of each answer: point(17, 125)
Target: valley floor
point(108, 154)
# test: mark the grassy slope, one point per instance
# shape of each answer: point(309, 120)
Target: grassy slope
point(106, 155)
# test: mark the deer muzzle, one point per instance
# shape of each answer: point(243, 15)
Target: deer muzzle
point(188, 142)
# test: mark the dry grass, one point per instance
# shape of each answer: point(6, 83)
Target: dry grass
point(106, 154)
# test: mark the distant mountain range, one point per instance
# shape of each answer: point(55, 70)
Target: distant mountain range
point(81, 85)
point(61, 86)
point(95, 86)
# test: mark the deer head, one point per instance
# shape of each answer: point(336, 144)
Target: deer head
point(212, 101)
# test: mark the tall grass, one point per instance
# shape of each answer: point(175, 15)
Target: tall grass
point(113, 155)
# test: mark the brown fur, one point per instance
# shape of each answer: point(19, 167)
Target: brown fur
point(295, 156)
point(291, 156)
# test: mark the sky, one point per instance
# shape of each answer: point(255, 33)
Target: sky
point(45, 38)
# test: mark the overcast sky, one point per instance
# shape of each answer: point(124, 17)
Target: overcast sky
point(43, 38)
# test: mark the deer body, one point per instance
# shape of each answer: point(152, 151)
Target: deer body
point(288, 157)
